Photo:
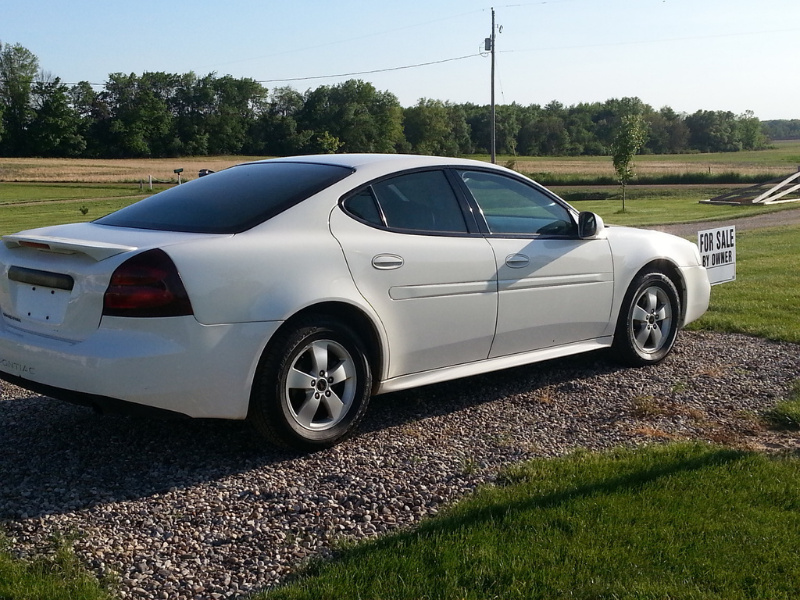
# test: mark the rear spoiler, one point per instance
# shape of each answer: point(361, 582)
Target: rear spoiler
point(96, 250)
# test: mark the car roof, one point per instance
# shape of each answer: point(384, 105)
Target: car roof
point(394, 162)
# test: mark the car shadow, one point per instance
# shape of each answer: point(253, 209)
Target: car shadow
point(58, 458)
point(397, 408)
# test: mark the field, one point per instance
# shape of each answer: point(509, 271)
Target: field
point(783, 158)
point(74, 190)
point(86, 170)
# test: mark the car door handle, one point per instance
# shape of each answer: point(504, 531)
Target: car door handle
point(384, 262)
point(517, 261)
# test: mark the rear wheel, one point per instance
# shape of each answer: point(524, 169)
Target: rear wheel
point(648, 321)
point(313, 385)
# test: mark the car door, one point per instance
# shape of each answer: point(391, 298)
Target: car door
point(431, 281)
point(553, 287)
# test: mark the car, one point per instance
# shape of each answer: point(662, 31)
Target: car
point(289, 291)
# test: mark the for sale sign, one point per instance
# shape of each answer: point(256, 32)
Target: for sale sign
point(718, 252)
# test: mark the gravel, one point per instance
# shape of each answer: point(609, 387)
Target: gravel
point(201, 509)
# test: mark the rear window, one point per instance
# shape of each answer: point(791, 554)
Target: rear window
point(230, 201)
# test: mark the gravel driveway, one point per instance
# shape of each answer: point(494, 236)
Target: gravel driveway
point(200, 509)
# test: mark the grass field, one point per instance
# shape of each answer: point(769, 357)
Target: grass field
point(681, 521)
point(21, 193)
point(765, 298)
point(662, 205)
point(783, 158)
point(85, 170)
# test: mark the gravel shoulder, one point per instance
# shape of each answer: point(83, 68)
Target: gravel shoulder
point(201, 509)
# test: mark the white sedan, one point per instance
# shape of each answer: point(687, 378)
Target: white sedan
point(289, 291)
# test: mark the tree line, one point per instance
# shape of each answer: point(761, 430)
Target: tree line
point(170, 115)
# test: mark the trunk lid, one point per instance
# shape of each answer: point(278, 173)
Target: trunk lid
point(52, 280)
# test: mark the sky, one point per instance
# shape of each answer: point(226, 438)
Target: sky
point(732, 55)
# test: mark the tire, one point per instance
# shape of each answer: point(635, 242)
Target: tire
point(312, 387)
point(648, 320)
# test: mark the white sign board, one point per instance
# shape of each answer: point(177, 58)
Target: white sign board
point(718, 251)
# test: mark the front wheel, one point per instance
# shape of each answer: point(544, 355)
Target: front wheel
point(648, 320)
point(312, 387)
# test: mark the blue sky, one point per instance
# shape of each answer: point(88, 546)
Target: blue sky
point(732, 55)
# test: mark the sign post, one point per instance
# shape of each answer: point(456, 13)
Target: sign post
point(718, 253)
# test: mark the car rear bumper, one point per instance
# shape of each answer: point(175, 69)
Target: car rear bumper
point(172, 364)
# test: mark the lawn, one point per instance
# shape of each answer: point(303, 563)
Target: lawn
point(680, 521)
point(765, 298)
point(29, 205)
point(22, 193)
point(782, 159)
point(661, 205)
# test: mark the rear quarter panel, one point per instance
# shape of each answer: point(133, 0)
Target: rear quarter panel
point(267, 273)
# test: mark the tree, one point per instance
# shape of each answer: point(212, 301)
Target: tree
point(631, 136)
point(55, 127)
point(361, 118)
point(713, 131)
point(18, 68)
point(436, 127)
point(238, 103)
point(751, 133)
point(668, 132)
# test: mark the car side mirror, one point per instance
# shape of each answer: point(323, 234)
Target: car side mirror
point(589, 225)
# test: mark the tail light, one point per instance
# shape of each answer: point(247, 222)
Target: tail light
point(146, 285)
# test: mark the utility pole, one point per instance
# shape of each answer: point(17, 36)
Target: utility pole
point(491, 41)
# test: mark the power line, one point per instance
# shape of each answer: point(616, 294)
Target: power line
point(458, 58)
point(386, 70)
point(370, 72)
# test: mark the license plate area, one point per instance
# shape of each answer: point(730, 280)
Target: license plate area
point(42, 304)
point(40, 296)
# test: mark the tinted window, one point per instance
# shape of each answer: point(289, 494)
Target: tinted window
point(421, 201)
point(229, 201)
point(363, 206)
point(510, 206)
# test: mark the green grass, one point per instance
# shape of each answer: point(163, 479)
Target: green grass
point(661, 206)
point(30, 205)
point(56, 577)
point(786, 414)
point(682, 521)
point(699, 178)
point(15, 218)
point(780, 153)
point(765, 298)
point(17, 193)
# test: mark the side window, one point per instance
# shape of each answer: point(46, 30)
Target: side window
point(511, 207)
point(421, 201)
point(363, 206)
